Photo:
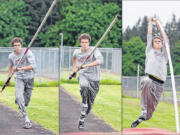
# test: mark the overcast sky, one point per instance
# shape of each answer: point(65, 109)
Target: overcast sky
point(133, 10)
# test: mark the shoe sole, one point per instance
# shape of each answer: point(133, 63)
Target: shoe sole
point(135, 123)
point(27, 127)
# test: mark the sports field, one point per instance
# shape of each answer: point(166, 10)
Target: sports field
point(107, 103)
point(44, 106)
point(106, 78)
point(163, 117)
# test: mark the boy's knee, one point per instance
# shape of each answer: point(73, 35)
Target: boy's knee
point(19, 100)
point(84, 91)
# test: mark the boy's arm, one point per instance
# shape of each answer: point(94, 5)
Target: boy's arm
point(150, 26)
point(156, 20)
point(95, 63)
point(31, 60)
point(99, 60)
point(149, 36)
point(165, 38)
point(10, 70)
point(25, 68)
point(74, 64)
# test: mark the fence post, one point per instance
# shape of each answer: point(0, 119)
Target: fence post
point(60, 56)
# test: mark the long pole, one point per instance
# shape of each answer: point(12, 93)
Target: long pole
point(32, 40)
point(172, 80)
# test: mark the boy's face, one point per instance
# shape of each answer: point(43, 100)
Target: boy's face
point(17, 47)
point(85, 44)
point(157, 44)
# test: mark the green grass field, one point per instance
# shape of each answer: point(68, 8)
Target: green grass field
point(44, 106)
point(106, 78)
point(107, 103)
point(163, 117)
point(38, 81)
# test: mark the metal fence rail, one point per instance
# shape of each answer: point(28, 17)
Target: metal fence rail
point(47, 60)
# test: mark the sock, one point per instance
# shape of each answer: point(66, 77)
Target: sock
point(26, 119)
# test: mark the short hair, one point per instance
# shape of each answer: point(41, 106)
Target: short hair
point(156, 37)
point(84, 36)
point(16, 40)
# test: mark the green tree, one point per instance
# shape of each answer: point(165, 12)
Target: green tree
point(84, 16)
point(176, 59)
point(133, 54)
point(171, 29)
point(37, 10)
point(13, 21)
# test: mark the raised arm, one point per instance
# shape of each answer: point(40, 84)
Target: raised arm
point(150, 26)
point(164, 36)
point(149, 36)
point(157, 21)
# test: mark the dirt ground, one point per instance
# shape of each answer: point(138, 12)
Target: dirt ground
point(69, 115)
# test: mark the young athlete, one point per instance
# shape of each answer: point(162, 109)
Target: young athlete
point(24, 76)
point(156, 72)
point(89, 74)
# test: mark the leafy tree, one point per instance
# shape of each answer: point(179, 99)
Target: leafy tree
point(13, 21)
point(37, 10)
point(176, 59)
point(143, 28)
point(139, 29)
point(110, 1)
point(84, 16)
point(133, 54)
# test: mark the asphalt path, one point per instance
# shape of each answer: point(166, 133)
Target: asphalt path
point(69, 115)
point(12, 124)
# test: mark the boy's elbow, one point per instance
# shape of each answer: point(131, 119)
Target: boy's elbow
point(33, 66)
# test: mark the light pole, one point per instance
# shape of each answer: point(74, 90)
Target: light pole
point(60, 56)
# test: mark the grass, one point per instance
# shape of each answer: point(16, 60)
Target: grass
point(107, 103)
point(163, 116)
point(44, 106)
point(106, 78)
point(38, 82)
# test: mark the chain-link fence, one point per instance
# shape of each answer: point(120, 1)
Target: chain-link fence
point(47, 60)
point(112, 61)
point(131, 87)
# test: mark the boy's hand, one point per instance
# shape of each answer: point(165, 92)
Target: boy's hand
point(82, 67)
point(18, 69)
point(72, 75)
point(15, 69)
point(8, 84)
point(150, 19)
point(155, 20)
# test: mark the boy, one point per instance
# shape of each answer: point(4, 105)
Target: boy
point(156, 72)
point(89, 75)
point(24, 76)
